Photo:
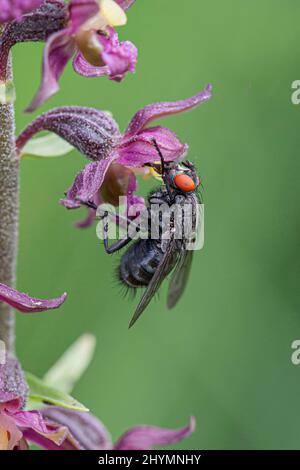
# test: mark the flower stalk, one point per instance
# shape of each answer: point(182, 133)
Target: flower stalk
point(9, 212)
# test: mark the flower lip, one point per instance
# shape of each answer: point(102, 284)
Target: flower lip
point(102, 54)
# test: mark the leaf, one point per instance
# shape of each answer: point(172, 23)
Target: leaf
point(69, 368)
point(48, 146)
point(7, 92)
point(41, 394)
point(32, 404)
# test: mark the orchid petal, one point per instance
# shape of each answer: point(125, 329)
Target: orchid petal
point(125, 4)
point(39, 430)
point(58, 438)
point(22, 445)
point(118, 182)
point(158, 110)
point(94, 133)
point(81, 11)
point(59, 50)
point(145, 437)
point(10, 435)
point(139, 150)
point(26, 304)
point(93, 177)
point(44, 433)
point(48, 435)
point(86, 429)
point(71, 200)
point(30, 419)
point(87, 183)
point(14, 9)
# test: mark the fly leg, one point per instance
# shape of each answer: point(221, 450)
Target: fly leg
point(163, 168)
point(106, 213)
point(120, 243)
point(115, 246)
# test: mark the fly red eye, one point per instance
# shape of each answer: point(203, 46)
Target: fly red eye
point(184, 183)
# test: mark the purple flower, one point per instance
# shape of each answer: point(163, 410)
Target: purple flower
point(89, 37)
point(57, 428)
point(91, 434)
point(26, 304)
point(18, 426)
point(14, 9)
point(116, 158)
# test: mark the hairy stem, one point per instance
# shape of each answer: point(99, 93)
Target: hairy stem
point(9, 209)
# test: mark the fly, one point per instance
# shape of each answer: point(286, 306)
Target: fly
point(147, 262)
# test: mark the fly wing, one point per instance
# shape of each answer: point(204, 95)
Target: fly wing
point(180, 277)
point(155, 283)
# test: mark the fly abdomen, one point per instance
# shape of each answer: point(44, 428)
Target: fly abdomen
point(139, 263)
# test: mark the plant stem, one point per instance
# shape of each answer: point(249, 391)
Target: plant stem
point(9, 214)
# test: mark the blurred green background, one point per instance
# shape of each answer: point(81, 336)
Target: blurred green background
point(224, 353)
